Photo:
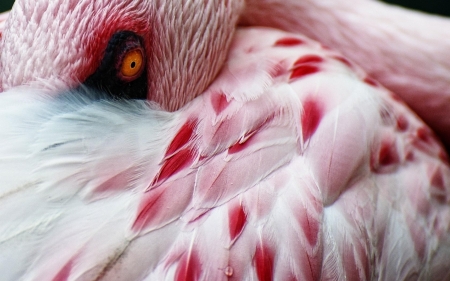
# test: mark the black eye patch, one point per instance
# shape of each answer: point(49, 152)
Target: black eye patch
point(108, 78)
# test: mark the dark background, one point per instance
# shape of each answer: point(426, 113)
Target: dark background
point(441, 7)
point(5, 5)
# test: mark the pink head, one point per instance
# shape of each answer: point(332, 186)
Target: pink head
point(61, 44)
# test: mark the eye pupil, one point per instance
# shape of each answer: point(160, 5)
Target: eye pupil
point(132, 64)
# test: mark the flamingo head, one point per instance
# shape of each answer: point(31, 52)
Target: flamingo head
point(164, 51)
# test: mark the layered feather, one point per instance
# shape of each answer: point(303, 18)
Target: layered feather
point(293, 165)
point(3, 17)
point(403, 49)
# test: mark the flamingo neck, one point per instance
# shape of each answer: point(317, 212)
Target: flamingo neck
point(404, 50)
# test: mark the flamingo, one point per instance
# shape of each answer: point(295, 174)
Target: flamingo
point(154, 140)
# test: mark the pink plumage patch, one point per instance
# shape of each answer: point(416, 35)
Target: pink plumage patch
point(64, 273)
point(438, 191)
point(288, 42)
point(182, 137)
point(352, 258)
point(182, 159)
point(371, 82)
point(162, 204)
point(388, 154)
point(402, 123)
point(264, 262)
point(189, 268)
point(310, 117)
point(425, 140)
point(310, 227)
point(306, 65)
point(437, 179)
point(149, 208)
point(241, 145)
point(385, 155)
point(219, 102)
point(424, 134)
point(308, 59)
point(343, 60)
point(237, 220)
point(304, 70)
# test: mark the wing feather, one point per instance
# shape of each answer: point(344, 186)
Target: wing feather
point(290, 177)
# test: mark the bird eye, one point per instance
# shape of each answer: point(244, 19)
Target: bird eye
point(122, 72)
point(132, 64)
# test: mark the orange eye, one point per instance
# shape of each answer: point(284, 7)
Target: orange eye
point(132, 63)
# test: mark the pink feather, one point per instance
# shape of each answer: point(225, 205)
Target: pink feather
point(293, 164)
point(304, 178)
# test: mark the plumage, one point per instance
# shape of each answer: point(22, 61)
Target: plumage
point(175, 38)
point(291, 164)
point(257, 191)
point(405, 50)
point(3, 17)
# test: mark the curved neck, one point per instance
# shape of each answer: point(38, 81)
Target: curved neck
point(406, 51)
